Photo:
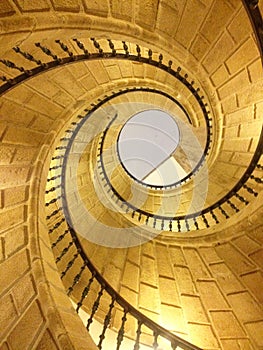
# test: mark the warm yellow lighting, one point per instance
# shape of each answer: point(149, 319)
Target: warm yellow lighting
point(111, 335)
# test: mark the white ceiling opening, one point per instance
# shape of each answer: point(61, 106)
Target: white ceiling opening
point(146, 145)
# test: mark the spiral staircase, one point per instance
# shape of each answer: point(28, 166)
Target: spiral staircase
point(174, 265)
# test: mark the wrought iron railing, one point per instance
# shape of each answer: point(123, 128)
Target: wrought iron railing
point(123, 54)
point(23, 74)
point(80, 275)
point(66, 246)
point(78, 272)
point(238, 197)
point(245, 190)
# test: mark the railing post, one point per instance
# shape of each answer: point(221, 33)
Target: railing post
point(121, 330)
point(95, 307)
point(106, 322)
point(155, 340)
point(138, 334)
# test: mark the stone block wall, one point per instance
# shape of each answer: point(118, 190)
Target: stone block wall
point(208, 293)
point(33, 301)
point(33, 115)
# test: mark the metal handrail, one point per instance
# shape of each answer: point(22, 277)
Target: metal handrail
point(56, 221)
point(175, 223)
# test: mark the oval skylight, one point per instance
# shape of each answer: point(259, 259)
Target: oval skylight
point(146, 145)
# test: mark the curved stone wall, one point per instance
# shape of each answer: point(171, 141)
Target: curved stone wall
point(34, 114)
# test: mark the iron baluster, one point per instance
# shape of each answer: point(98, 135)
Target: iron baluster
point(162, 224)
point(55, 167)
point(52, 201)
point(74, 123)
point(155, 341)
point(160, 60)
point(170, 65)
point(85, 292)
point(57, 157)
point(106, 322)
point(12, 65)
point(56, 225)
point(178, 70)
point(55, 212)
point(59, 239)
point(81, 46)
point(76, 279)
point(111, 45)
point(29, 57)
point(214, 217)
point(232, 205)
point(170, 225)
point(205, 221)
point(5, 79)
point(95, 307)
point(178, 225)
point(126, 49)
point(64, 47)
point(121, 330)
point(64, 139)
point(196, 223)
point(53, 178)
point(150, 55)
point(257, 179)
point(138, 334)
point(52, 189)
point(223, 212)
point(250, 190)
point(241, 198)
point(138, 49)
point(174, 345)
point(147, 220)
point(62, 147)
point(64, 251)
point(69, 265)
point(97, 46)
point(48, 52)
point(196, 92)
point(154, 222)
